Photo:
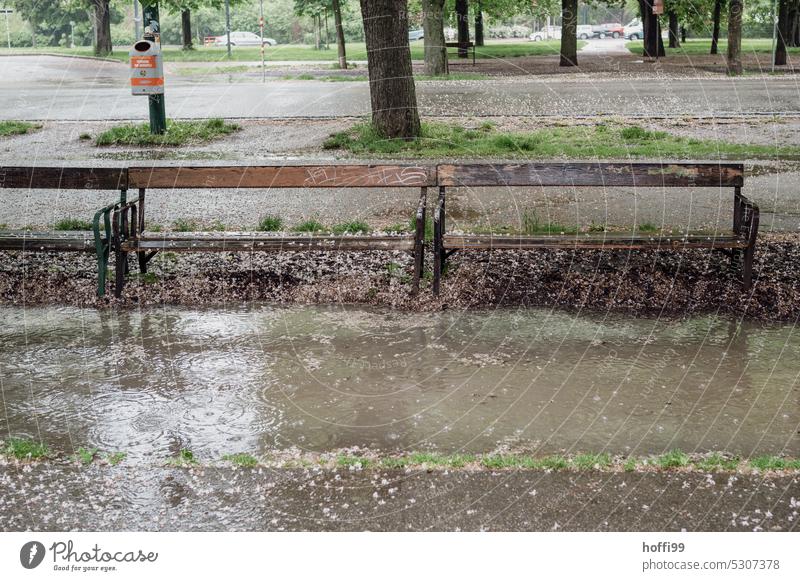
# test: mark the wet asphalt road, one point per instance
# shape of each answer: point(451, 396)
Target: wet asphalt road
point(53, 496)
point(54, 88)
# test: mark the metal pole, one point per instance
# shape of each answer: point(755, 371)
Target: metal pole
point(136, 20)
point(228, 25)
point(8, 34)
point(152, 31)
point(261, 27)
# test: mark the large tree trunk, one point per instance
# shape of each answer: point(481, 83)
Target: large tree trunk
point(661, 51)
point(569, 33)
point(337, 20)
point(186, 29)
point(479, 25)
point(674, 33)
point(102, 27)
point(462, 16)
point(683, 33)
point(433, 29)
point(735, 37)
point(783, 32)
point(650, 29)
point(715, 29)
point(391, 83)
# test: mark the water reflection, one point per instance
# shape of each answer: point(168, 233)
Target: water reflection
point(317, 378)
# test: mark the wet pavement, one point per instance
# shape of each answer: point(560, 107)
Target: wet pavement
point(265, 379)
point(53, 88)
point(47, 496)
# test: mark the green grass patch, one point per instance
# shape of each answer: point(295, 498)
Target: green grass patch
point(590, 461)
point(352, 227)
point(356, 51)
point(25, 449)
point(17, 128)
point(115, 458)
point(270, 223)
point(178, 133)
point(531, 225)
point(717, 461)
point(672, 459)
point(601, 141)
point(241, 459)
point(84, 455)
point(775, 463)
point(184, 459)
point(311, 225)
point(68, 224)
point(205, 71)
point(185, 225)
point(703, 46)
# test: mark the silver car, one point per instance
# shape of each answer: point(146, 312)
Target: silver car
point(244, 39)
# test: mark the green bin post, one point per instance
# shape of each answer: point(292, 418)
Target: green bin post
point(158, 111)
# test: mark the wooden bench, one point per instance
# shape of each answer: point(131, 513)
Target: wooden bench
point(465, 46)
point(129, 227)
point(67, 178)
point(740, 243)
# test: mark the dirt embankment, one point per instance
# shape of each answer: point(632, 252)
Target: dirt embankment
point(637, 282)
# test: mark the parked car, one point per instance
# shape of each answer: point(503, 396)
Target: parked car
point(548, 32)
point(634, 30)
point(609, 29)
point(415, 35)
point(585, 31)
point(239, 38)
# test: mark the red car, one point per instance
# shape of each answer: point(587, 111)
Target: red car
point(612, 29)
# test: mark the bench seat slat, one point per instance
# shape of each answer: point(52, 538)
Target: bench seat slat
point(233, 241)
point(610, 241)
point(287, 176)
point(47, 241)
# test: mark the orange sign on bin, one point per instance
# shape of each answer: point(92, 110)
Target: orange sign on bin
point(147, 70)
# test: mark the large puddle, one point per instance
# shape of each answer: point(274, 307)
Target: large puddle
point(316, 378)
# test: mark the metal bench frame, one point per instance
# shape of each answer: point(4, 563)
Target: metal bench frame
point(741, 245)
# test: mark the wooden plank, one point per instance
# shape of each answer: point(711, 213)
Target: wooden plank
point(64, 178)
point(250, 241)
point(592, 241)
point(303, 176)
point(47, 241)
point(593, 174)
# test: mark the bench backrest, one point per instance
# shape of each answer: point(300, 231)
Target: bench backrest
point(64, 178)
point(373, 176)
point(287, 176)
point(593, 174)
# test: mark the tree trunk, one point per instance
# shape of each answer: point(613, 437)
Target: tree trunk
point(661, 51)
point(337, 21)
point(479, 25)
point(683, 33)
point(102, 27)
point(715, 30)
point(783, 30)
point(735, 37)
point(674, 37)
point(33, 33)
point(569, 33)
point(433, 29)
point(391, 82)
point(462, 16)
point(650, 29)
point(186, 29)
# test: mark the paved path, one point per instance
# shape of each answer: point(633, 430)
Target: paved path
point(55, 497)
point(51, 88)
